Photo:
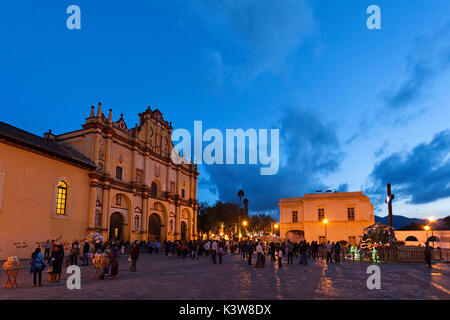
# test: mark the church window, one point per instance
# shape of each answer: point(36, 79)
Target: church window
point(294, 216)
point(321, 214)
point(119, 172)
point(61, 199)
point(139, 177)
point(154, 190)
point(351, 214)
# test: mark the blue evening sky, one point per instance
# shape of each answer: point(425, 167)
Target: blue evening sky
point(356, 108)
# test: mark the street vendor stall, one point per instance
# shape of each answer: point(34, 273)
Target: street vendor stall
point(11, 267)
point(100, 262)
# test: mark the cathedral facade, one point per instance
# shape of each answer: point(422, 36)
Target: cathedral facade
point(123, 183)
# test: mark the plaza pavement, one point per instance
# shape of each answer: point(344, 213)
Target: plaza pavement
point(161, 277)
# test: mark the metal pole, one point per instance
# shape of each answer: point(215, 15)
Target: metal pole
point(389, 202)
point(432, 235)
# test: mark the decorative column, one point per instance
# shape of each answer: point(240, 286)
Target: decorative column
point(105, 208)
point(144, 217)
point(133, 165)
point(177, 219)
point(92, 199)
point(107, 154)
point(195, 222)
point(177, 205)
point(146, 170)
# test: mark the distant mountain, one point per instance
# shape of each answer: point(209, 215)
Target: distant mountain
point(401, 221)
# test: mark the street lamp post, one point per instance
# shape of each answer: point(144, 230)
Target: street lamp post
point(244, 223)
point(426, 232)
point(325, 221)
point(431, 219)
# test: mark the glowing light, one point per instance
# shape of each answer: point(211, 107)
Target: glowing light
point(431, 219)
point(244, 223)
point(325, 221)
point(276, 226)
point(427, 228)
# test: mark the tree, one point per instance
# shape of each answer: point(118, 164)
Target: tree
point(413, 226)
point(380, 235)
point(240, 195)
point(212, 217)
point(246, 206)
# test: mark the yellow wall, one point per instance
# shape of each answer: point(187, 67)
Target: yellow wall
point(335, 208)
point(27, 217)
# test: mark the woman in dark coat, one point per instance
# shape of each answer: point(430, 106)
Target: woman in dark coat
point(134, 255)
point(114, 257)
point(57, 258)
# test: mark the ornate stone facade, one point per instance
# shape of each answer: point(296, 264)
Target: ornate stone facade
point(136, 192)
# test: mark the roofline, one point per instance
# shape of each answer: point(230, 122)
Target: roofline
point(42, 151)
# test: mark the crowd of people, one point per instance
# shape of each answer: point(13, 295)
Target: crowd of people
point(250, 251)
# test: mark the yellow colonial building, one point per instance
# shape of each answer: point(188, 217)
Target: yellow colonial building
point(329, 216)
point(123, 183)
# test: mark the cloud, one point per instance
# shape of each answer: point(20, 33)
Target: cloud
point(309, 149)
point(429, 59)
point(269, 32)
point(343, 187)
point(420, 175)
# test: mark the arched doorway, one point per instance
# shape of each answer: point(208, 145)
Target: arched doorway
point(154, 228)
point(433, 239)
point(116, 226)
point(183, 230)
point(411, 238)
point(295, 235)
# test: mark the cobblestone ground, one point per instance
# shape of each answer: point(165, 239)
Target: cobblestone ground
point(161, 277)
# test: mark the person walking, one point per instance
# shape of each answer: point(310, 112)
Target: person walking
point(214, 251)
point(86, 248)
point(47, 248)
point(328, 250)
point(114, 261)
point(220, 252)
point(158, 247)
point(207, 248)
point(280, 257)
point(74, 252)
point(272, 251)
point(290, 250)
point(37, 266)
point(260, 256)
point(337, 252)
point(134, 255)
point(58, 256)
point(304, 252)
point(250, 252)
point(428, 253)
